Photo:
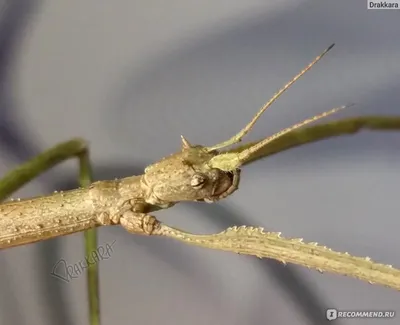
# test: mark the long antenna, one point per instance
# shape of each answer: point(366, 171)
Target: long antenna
point(239, 136)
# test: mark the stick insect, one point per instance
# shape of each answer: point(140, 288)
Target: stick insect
point(194, 173)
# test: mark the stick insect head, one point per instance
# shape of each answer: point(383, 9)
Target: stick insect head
point(199, 173)
point(187, 176)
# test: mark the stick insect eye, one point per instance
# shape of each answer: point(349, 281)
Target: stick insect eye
point(198, 181)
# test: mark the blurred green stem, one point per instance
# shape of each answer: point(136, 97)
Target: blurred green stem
point(322, 131)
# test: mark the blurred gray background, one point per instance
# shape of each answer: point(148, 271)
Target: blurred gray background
point(131, 77)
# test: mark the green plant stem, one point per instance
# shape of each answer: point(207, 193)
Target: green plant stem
point(85, 178)
point(320, 132)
